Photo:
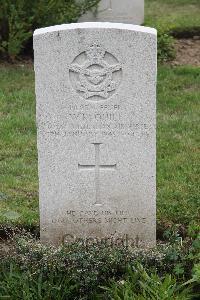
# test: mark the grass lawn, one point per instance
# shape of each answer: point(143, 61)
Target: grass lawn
point(178, 194)
point(19, 183)
point(179, 15)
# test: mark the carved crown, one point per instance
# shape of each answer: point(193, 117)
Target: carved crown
point(95, 52)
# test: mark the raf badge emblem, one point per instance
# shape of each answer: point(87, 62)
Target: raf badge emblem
point(95, 74)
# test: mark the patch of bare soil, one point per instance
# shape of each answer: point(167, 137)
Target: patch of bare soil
point(187, 52)
point(21, 61)
point(6, 247)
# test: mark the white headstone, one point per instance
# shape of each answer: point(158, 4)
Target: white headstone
point(122, 11)
point(96, 124)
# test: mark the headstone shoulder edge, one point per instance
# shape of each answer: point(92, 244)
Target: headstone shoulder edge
point(95, 25)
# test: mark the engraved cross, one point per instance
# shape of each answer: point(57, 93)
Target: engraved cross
point(97, 168)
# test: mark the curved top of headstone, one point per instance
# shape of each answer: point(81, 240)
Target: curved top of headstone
point(95, 25)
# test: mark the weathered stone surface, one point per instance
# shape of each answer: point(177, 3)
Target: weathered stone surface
point(96, 123)
point(122, 11)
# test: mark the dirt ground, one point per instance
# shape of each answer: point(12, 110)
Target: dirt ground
point(187, 52)
point(6, 247)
